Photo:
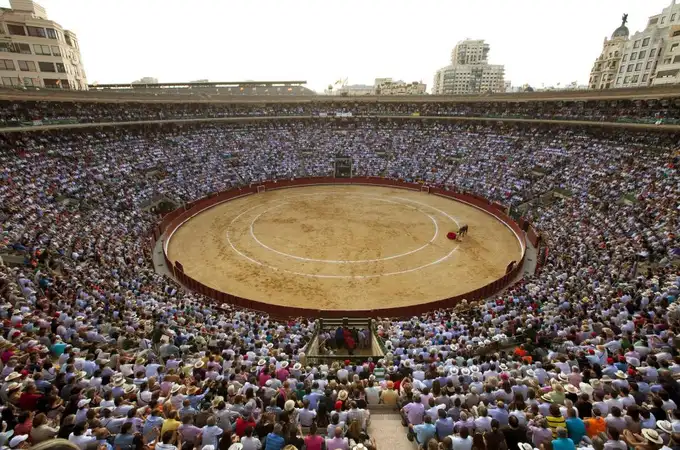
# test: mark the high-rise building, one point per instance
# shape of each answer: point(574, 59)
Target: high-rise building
point(38, 52)
point(146, 80)
point(469, 71)
point(648, 57)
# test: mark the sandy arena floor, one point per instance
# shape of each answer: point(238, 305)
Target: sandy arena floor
point(343, 247)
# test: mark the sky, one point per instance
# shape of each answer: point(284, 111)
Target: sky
point(319, 41)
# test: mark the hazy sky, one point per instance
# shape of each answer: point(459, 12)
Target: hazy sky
point(539, 41)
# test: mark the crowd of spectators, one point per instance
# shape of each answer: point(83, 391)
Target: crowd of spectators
point(28, 113)
point(100, 350)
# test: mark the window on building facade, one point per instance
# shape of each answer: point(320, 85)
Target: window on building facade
point(51, 33)
point(672, 17)
point(10, 81)
point(16, 30)
point(645, 42)
point(50, 82)
point(663, 20)
point(36, 31)
point(27, 66)
point(46, 66)
point(627, 79)
point(666, 60)
point(61, 68)
point(42, 49)
point(6, 64)
point(652, 53)
point(56, 51)
point(622, 69)
point(636, 44)
point(635, 78)
point(633, 56)
point(630, 68)
point(644, 78)
point(638, 66)
point(24, 49)
point(673, 47)
point(642, 54)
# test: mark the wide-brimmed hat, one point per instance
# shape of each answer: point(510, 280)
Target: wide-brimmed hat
point(342, 395)
point(652, 436)
point(129, 389)
point(465, 371)
point(525, 446)
point(547, 398)
point(18, 439)
point(84, 402)
point(284, 364)
point(531, 373)
point(198, 364)
point(118, 382)
point(621, 374)
point(289, 405)
point(586, 388)
point(571, 389)
point(563, 377)
point(13, 376)
point(474, 369)
point(217, 400)
point(297, 366)
point(665, 426)
point(175, 388)
point(13, 386)
point(606, 379)
point(262, 362)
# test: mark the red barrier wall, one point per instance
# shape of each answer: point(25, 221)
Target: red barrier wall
point(174, 220)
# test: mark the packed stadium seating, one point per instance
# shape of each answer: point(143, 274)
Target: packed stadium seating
point(97, 347)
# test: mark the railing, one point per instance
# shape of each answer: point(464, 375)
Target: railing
point(175, 219)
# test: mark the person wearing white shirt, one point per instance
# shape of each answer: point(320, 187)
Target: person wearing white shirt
point(80, 437)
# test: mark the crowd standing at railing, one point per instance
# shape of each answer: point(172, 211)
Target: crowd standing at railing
point(28, 113)
point(98, 349)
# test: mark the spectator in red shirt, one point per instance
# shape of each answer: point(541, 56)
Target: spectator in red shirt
point(29, 398)
point(242, 423)
point(25, 423)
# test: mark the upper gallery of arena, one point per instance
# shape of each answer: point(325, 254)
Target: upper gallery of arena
point(20, 108)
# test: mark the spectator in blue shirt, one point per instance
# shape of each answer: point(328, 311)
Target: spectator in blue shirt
point(576, 428)
point(444, 425)
point(275, 440)
point(563, 442)
point(424, 432)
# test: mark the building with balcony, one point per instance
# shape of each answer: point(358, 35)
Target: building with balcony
point(469, 71)
point(386, 86)
point(37, 52)
point(647, 58)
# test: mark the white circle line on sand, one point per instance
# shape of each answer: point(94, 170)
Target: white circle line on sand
point(279, 269)
point(344, 261)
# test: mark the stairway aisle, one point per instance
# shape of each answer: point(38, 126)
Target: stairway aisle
point(388, 432)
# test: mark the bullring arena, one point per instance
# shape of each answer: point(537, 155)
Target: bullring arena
point(344, 247)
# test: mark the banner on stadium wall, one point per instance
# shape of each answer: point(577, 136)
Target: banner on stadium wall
point(415, 114)
point(343, 114)
point(323, 114)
